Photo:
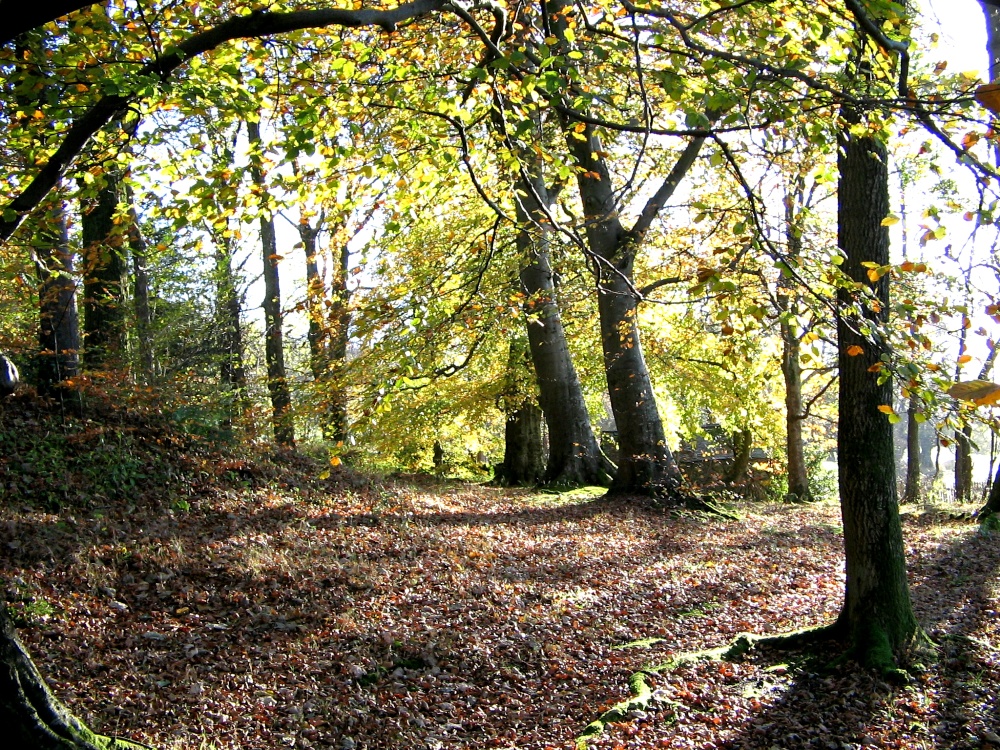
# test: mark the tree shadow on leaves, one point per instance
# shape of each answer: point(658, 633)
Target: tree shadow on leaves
point(948, 703)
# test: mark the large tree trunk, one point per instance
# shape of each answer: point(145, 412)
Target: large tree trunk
point(523, 460)
point(575, 457)
point(993, 501)
point(274, 351)
point(103, 269)
point(59, 331)
point(31, 716)
point(877, 616)
point(645, 463)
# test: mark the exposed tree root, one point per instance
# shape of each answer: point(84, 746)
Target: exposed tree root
point(641, 695)
point(31, 716)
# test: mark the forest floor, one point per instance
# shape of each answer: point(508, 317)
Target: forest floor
point(227, 604)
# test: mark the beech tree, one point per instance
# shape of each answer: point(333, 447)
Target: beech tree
point(282, 418)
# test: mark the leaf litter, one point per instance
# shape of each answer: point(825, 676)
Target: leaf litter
point(416, 613)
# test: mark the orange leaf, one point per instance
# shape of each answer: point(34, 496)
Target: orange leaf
point(964, 358)
point(981, 392)
point(885, 409)
point(854, 351)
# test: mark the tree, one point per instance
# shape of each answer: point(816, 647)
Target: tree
point(522, 464)
point(103, 268)
point(877, 615)
point(574, 455)
point(274, 349)
point(59, 330)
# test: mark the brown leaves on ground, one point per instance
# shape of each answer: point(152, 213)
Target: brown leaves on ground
point(395, 615)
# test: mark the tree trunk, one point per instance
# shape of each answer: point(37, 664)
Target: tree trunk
point(523, 460)
point(31, 716)
point(315, 294)
point(59, 331)
point(877, 615)
point(963, 464)
point(232, 369)
point(103, 262)
point(993, 501)
point(791, 369)
point(140, 296)
point(277, 381)
point(340, 336)
point(645, 463)
point(911, 492)
point(742, 448)
point(575, 457)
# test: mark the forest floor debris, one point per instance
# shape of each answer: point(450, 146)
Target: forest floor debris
point(258, 614)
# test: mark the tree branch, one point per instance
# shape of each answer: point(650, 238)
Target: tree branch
point(258, 24)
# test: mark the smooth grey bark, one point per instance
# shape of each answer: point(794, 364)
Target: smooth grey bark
point(9, 375)
point(575, 457)
point(877, 615)
point(103, 268)
point(645, 463)
point(992, 13)
point(340, 333)
point(277, 381)
point(329, 329)
point(58, 318)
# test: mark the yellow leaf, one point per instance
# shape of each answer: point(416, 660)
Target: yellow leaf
point(334, 461)
point(873, 275)
point(854, 351)
point(889, 220)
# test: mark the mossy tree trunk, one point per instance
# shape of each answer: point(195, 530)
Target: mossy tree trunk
point(31, 716)
point(877, 615)
point(742, 448)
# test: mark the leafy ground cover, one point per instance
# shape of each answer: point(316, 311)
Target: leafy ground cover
point(233, 604)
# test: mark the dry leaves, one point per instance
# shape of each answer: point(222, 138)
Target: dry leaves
point(402, 615)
